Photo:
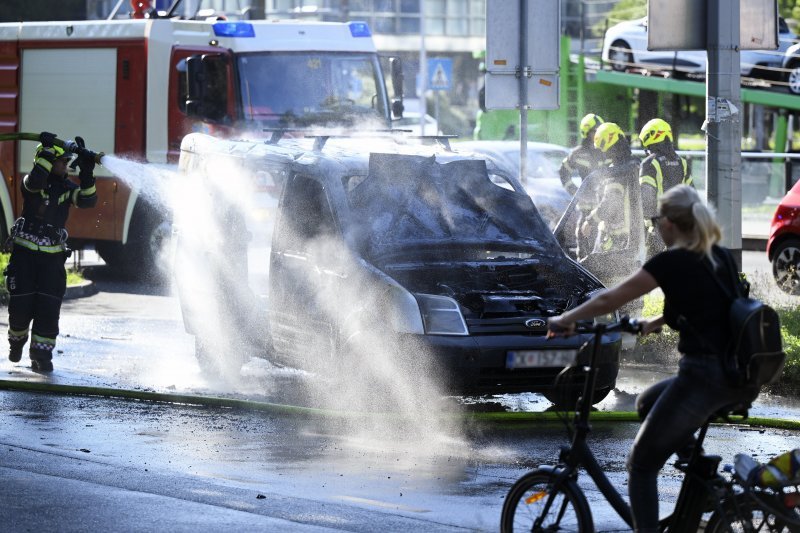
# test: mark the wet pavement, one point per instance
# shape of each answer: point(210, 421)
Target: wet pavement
point(90, 463)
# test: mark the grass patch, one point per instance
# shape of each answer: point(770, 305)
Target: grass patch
point(789, 382)
point(74, 277)
point(790, 331)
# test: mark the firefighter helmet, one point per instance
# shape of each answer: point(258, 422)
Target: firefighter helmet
point(654, 132)
point(607, 136)
point(60, 152)
point(588, 123)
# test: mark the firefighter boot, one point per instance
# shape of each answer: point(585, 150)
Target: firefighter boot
point(15, 351)
point(41, 360)
point(16, 342)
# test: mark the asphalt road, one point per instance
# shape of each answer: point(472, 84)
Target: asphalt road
point(98, 464)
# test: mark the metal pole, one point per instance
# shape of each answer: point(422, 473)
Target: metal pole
point(258, 10)
point(524, 72)
point(114, 11)
point(724, 129)
point(423, 70)
point(436, 112)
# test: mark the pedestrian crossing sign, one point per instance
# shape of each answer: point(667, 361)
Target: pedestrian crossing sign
point(440, 73)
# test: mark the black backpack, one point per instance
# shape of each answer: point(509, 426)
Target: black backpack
point(754, 355)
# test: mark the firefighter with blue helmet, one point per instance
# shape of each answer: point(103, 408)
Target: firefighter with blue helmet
point(661, 170)
point(584, 158)
point(35, 276)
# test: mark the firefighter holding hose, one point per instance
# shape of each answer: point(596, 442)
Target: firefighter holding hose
point(35, 277)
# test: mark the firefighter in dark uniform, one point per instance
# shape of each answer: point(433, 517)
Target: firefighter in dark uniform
point(615, 225)
point(35, 277)
point(661, 170)
point(584, 158)
point(611, 217)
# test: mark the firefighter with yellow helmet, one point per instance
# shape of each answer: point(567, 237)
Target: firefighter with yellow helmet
point(608, 239)
point(661, 170)
point(584, 158)
point(35, 276)
point(611, 217)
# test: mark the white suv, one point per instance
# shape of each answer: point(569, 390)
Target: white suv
point(625, 48)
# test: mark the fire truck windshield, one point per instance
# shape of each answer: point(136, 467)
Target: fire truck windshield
point(311, 88)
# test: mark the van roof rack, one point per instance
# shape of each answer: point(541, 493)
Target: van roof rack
point(321, 137)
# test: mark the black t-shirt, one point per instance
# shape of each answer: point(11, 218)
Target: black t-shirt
point(691, 291)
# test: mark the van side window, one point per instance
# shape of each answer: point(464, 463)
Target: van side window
point(182, 90)
point(306, 216)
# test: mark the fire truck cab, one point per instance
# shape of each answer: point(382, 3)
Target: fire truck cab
point(134, 88)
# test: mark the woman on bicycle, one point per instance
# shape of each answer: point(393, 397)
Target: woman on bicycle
point(695, 305)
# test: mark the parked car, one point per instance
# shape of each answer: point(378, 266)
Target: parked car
point(625, 47)
point(411, 122)
point(783, 245)
point(791, 68)
point(543, 183)
point(433, 257)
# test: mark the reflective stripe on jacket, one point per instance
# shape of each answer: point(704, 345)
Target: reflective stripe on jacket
point(660, 173)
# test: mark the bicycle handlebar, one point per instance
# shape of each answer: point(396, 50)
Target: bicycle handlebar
point(624, 325)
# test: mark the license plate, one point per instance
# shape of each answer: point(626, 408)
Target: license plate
point(540, 358)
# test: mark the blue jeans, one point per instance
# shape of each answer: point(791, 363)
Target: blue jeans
point(673, 410)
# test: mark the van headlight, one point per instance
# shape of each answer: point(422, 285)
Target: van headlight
point(441, 315)
point(403, 311)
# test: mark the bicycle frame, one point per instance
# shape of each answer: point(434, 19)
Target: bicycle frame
point(578, 453)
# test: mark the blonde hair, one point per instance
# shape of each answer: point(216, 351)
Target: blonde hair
point(697, 227)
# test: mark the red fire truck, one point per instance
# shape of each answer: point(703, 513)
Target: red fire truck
point(134, 88)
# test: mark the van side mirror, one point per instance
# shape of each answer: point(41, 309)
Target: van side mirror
point(396, 68)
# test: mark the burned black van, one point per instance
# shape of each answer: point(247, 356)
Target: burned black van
point(438, 257)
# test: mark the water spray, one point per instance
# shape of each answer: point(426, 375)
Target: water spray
point(68, 145)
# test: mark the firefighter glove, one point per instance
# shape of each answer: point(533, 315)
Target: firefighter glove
point(86, 163)
point(47, 139)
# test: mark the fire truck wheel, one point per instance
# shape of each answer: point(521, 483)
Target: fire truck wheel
point(146, 254)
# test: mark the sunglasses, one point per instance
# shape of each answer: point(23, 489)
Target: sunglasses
point(654, 220)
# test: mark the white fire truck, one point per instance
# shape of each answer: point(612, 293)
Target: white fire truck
point(135, 88)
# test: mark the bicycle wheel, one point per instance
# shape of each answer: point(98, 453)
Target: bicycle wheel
point(746, 514)
point(526, 505)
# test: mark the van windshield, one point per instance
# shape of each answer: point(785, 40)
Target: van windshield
point(413, 202)
point(311, 88)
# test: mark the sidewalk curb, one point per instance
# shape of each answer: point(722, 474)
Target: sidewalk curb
point(754, 244)
point(523, 420)
point(85, 288)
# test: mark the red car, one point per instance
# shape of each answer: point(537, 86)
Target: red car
point(783, 246)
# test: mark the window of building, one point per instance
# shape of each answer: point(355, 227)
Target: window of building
point(400, 17)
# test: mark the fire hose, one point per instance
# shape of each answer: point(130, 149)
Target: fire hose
point(67, 145)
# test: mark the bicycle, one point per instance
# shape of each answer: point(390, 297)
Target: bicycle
point(776, 507)
point(548, 498)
